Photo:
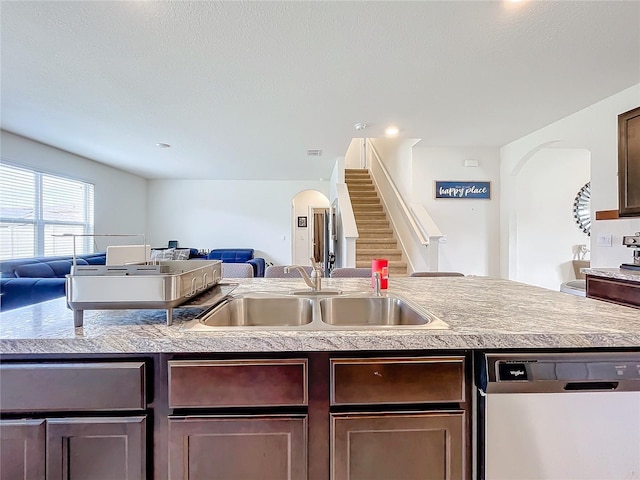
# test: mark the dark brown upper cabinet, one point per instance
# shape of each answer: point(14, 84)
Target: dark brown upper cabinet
point(629, 163)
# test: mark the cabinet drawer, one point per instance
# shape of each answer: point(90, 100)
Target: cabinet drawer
point(31, 387)
point(616, 291)
point(237, 383)
point(397, 380)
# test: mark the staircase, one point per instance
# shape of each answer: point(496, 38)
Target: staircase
point(376, 239)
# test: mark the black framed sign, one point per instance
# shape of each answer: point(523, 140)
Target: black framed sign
point(463, 189)
point(302, 222)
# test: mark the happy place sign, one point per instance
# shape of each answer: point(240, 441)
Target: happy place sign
point(455, 189)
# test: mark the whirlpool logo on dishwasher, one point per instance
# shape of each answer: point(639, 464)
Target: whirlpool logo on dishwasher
point(512, 371)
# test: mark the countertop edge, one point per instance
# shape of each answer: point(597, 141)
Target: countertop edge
point(343, 343)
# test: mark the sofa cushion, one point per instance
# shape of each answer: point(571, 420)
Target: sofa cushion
point(42, 278)
point(93, 258)
point(52, 269)
point(258, 265)
point(162, 254)
point(20, 292)
point(63, 267)
point(35, 270)
point(8, 267)
point(181, 254)
point(231, 255)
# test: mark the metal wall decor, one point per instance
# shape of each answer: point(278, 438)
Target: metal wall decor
point(582, 209)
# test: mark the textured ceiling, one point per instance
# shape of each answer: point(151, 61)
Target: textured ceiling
point(241, 90)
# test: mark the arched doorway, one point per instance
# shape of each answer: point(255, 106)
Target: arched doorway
point(309, 220)
point(546, 182)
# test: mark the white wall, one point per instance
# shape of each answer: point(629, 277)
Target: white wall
point(227, 214)
point(120, 197)
point(471, 226)
point(546, 230)
point(398, 160)
point(594, 129)
point(353, 155)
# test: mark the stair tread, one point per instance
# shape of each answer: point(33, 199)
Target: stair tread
point(392, 263)
point(367, 245)
point(389, 239)
point(373, 246)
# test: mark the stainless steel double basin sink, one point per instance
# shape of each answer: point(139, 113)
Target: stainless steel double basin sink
point(314, 311)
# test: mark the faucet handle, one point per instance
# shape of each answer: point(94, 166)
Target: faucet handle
point(317, 265)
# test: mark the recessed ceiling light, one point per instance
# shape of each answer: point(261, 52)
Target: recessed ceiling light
point(163, 145)
point(391, 131)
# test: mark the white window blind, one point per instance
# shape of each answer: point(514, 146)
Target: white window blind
point(36, 208)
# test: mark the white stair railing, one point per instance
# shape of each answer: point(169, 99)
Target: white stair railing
point(415, 218)
point(422, 232)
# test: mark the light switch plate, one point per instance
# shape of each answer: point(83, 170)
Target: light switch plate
point(604, 240)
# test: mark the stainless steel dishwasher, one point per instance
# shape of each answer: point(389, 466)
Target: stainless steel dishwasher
point(558, 416)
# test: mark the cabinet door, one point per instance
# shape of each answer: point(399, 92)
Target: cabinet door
point(629, 163)
point(215, 448)
point(394, 446)
point(96, 448)
point(22, 449)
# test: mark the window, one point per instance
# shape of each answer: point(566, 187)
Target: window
point(36, 208)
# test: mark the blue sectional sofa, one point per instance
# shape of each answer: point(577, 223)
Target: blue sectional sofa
point(26, 281)
point(239, 255)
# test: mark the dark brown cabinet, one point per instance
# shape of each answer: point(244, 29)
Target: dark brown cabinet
point(629, 163)
point(389, 445)
point(96, 448)
point(237, 383)
point(73, 438)
point(73, 386)
point(231, 447)
point(614, 290)
point(299, 416)
point(397, 380)
point(237, 445)
point(380, 444)
point(22, 449)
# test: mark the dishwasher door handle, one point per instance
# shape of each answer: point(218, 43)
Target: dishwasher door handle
point(580, 386)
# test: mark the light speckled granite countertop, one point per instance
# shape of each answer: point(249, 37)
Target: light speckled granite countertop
point(618, 273)
point(482, 313)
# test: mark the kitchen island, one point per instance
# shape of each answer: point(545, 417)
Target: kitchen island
point(126, 396)
point(481, 312)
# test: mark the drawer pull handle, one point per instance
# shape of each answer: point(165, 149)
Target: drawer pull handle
point(377, 374)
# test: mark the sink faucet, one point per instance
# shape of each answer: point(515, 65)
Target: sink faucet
point(315, 281)
point(377, 279)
